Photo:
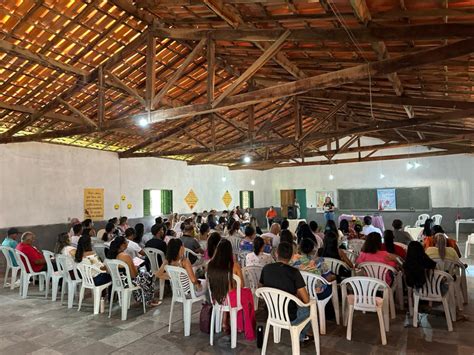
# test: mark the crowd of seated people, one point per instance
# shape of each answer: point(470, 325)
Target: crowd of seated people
point(280, 252)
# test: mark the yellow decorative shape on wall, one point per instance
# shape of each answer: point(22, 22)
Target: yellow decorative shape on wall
point(227, 198)
point(129, 206)
point(191, 199)
point(116, 206)
point(123, 197)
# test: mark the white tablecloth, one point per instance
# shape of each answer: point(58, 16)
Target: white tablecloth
point(414, 232)
point(294, 223)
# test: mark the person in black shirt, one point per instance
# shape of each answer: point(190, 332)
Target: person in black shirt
point(156, 242)
point(284, 277)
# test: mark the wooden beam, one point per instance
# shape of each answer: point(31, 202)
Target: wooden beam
point(227, 13)
point(150, 71)
point(213, 131)
point(101, 97)
point(268, 124)
point(85, 120)
point(251, 122)
point(297, 118)
point(179, 72)
point(41, 59)
point(116, 82)
point(315, 35)
point(51, 115)
point(259, 63)
point(325, 80)
point(332, 112)
point(211, 69)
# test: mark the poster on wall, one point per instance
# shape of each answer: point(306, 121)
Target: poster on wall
point(227, 199)
point(94, 204)
point(386, 200)
point(321, 197)
point(191, 199)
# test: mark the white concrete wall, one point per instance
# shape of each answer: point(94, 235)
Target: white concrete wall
point(44, 183)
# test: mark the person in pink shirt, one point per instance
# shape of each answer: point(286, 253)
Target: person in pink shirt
point(371, 253)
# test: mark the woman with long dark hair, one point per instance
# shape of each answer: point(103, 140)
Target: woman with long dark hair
point(212, 241)
point(416, 264)
point(85, 254)
point(139, 231)
point(331, 249)
point(235, 231)
point(390, 246)
point(258, 257)
point(304, 232)
point(143, 279)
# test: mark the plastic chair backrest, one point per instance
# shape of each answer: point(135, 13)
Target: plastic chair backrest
point(350, 255)
point(277, 302)
point(86, 273)
point(312, 282)
point(120, 281)
point(100, 251)
point(23, 262)
point(365, 291)
point(235, 241)
point(188, 252)
point(152, 254)
point(99, 234)
point(8, 253)
point(437, 218)
point(355, 245)
point(432, 287)
point(48, 255)
point(449, 266)
point(401, 245)
point(252, 276)
point(421, 220)
point(335, 265)
point(181, 285)
point(63, 262)
point(377, 270)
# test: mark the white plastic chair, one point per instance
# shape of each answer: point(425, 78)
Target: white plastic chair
point(457, 270)
point(352, 256)
point(431, 291)
point(218, 311)
point(183, 292)
point(9, 254)
point(86, 271)
point(380, 271)
point(355, 245)
point(364, 298)
point(251, 280)
point(312, 282)
point(27, 273)
point(469, 242)
point(122, 285)
point(437, 218)
point(335, 265)
point(277, 302)
point(51, 275)
point(100, 251)
point(420, 222)
point(242, 258)
point(199, 263)
point(98, 235)
point(152, 254)
point(235, 241)
point(63, 263)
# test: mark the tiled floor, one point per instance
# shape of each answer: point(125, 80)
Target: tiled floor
point(39, 326)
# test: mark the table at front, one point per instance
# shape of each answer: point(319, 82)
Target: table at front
point(459, 221)
point(293, 223)
point(377, 221)
point(414, 232)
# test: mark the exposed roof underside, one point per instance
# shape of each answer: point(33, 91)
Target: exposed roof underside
point(292, 82)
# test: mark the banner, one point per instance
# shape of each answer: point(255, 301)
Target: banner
point(94, 204)
point(386, 200)
point(227, 199)
point(191, 199)
point(320, 197)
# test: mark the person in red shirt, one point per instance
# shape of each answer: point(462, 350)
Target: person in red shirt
point(271, 215)
point(36, 258)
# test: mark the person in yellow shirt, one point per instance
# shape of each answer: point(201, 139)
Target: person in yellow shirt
point(441, 250)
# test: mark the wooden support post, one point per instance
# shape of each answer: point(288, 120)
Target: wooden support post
point(297, 117)
point(101, 98)
point(211, 69)
point(150, 71)
point(213, 131)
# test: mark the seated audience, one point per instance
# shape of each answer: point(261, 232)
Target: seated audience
point(63, 245)
point(369, 228)
point(271, 214)
point(73, 222)
point(212, 241)
point(440, 250)
point(77, 233)
point(143, 279)
point(247, 243)
point(133, 249)
point(331, 250)
point(313, 225)
point(416, 264)
point(285, 224)
point(204, 230)
point(258, 257)
point(234, 230)
point(139, 232)
point(430, 241)
point(190, 242)
point(175, 257)
point(156, 242)
point(11, 241)
point(427, 230)
point(400, 236)
point(169, 234)
point(282, 276)
point(344, 228)
point(272, 237)
point(35, 257)
point(109, 233)
point(390, 246)
point(221, 226)
point(358, 232)
point(88, 224)
point(123, 224)
point(211, 221)
point(254, 224)
point(304, 232)
point(85, 254)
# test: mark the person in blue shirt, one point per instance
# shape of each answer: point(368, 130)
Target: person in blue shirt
point(11, 241)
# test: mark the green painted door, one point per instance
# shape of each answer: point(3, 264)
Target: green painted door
point(301, 197)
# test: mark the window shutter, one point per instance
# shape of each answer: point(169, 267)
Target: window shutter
point(241, 198)
point(146, 203)
point(166, 201)
point(251, 199)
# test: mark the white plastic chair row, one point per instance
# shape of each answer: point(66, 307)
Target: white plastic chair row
point(63, 262)
point(420, 222)
point(277, 302)
point(87, 271)
point(27, 273)
point(457, 271)
point(9, 253)
point(51, 275)
point(152, 254)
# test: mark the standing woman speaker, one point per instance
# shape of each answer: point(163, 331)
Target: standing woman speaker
point(328, 209)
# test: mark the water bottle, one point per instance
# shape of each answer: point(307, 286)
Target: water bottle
point(259, 336)
point(102, 305)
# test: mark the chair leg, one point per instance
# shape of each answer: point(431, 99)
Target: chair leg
point(276, 335)
point(125, 303)
point(415, 311)
point(322, 317)
point(96, 293)
point(233, 328)
point(13, 279)
point(143, 302)
point(162, 289)
point(213, 321)
point(447, 314)
point(295, 341)
point(70, 294)
point(335, 304)
point(382, 326)
point(392, 304)
point(410, 300)
point(265, 338)
point(47, 282)
point(112, 294)
point(171, 315)
point(26, 281)
point(187, 314)
point(81, 297)
point(40, 283)
point(6, 278)
point(54, 291)
point(350, 317)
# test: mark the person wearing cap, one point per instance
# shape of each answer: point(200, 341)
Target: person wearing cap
point(11, 241)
